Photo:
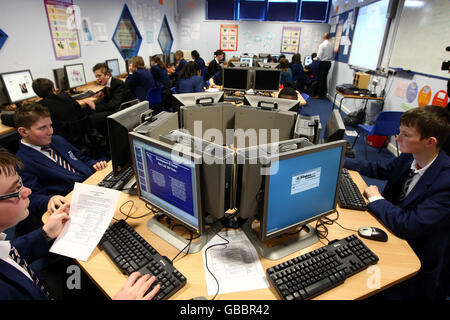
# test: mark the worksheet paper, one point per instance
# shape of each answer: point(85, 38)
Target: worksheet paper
point(236, 265)
point(91, 211)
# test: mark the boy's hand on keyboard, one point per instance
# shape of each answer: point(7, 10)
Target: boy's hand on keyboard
point(136, 287)
point(100, 165)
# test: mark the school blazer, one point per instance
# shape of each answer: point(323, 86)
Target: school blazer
point(47, 178)
point(422, 218)
point(14, 285)
point(117, 94)
point(139, 82)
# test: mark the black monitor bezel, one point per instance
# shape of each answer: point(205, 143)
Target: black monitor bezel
point(259, 70)
point(197, 159)
point(263, 235)
point(246, 69)
point(5, 86)
point(68, 81)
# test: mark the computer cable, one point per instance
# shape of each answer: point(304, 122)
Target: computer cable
point(189, 243)
point(206, 260)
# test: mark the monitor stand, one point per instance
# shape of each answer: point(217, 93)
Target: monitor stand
point(178, 241)
point(283, 249)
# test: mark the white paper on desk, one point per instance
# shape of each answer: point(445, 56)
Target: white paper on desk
point(351, 133)
point(91, 211)
point(236, 266)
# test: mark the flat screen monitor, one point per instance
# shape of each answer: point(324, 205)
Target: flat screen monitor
point(268, 65)
point(75, 75)
point(170, 181)
point(335, 127)
point(247, 60)
point(236, 79)
point(113, 65)
point(271, 103)
point(238, 64)
point(18, 85)
point(298, 187)
point(267, 80)
point(308, 60)
point(60, 79)
point(3, 95)
point(194, 98)
point(119, 124)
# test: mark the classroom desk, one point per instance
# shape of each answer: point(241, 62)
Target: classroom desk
point(4, 129)
point(397, 260)
point(353, 96)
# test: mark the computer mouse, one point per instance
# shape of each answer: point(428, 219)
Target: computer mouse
point(373, 233)
point(200, 298)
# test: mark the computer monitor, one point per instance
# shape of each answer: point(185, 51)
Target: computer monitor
point(335, 127)
point(308, 60)
point(298, 187)
point(169, 178)
point(119, 124)
point(113, 65)
point(160, 124)
point(236, 79)
point(308, 127)
point(267, 80)
point(3, 95)
point(75, 75)
point(60, 79)
point(271, 103)
point(238, 64)
point(263, 55)
point(18, 85)
point(194, 98)
point(248, 60)
point(268, 65)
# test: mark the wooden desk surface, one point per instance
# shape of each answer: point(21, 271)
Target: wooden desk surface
point(5, 129)
point(397, 260)
point(358, 96)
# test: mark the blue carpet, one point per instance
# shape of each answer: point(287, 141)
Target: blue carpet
point(323, 107)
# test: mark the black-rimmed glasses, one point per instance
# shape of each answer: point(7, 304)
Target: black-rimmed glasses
point(16, 194)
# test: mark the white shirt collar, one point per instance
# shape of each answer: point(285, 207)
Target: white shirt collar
point(108, 84)
point(5, 247)
point(38, 148)
point(422, 170)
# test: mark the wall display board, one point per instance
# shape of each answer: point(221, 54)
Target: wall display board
point(423, 30)
point(342, 28)
point(3, 37)
point(63, 31)
point(126, 36)
point(290, 40)
point(228, 37)
point(165, 38)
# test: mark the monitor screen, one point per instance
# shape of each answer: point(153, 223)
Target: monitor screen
point(113, 65)
point(304, 183)
point(308, 60)
point(18, 85)
point(267, 80)
point(335, 127)
point(75, 75)
point(236, 79)
point(119, 124)
point(247, 60)
point(168, 181)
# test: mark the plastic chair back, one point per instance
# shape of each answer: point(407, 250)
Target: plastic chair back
point(387, 123)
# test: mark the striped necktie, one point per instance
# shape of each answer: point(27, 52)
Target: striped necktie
point(408, 180)
point(59, 160)
point(21, 262)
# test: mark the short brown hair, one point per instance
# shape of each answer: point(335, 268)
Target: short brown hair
point(429, 121)
point(29, 114)
point(43, 87)
point(9, 163)
point(138, 62)
point(103, 67)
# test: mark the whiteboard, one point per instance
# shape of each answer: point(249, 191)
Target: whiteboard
point(422, 36)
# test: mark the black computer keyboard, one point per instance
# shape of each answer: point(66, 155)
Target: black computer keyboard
point(311, 274)
point(117, 182)
point(130, 252)
point(349, 195)
point(83, 95)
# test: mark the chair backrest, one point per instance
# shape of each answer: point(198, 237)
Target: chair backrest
point(387, 123)
point(154, 96)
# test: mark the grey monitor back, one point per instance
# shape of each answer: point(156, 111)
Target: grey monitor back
point(335, 127)
point(194, 98)
point(271, 103)
point(308, 127)
point(268, 65)
point(249, 118)
point(161, 124)
point(60, 79)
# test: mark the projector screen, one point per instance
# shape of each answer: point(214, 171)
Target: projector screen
point(369, 35)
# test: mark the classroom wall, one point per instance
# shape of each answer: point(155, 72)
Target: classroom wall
point(29, 43)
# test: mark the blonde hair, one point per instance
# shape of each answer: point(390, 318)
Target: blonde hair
point(138, 62)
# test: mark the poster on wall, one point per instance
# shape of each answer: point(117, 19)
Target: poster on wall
point(63, 31)
point(290, 40)
point(341, 31)
point(228, 37)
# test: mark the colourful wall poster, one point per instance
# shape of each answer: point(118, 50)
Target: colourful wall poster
point(290, 40)
point(411, 92)
point(440, 99)
point(63, 30)
point(424, 96)
point(228, 37)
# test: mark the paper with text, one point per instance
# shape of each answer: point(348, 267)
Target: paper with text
point(236, 266)
point(91, 211)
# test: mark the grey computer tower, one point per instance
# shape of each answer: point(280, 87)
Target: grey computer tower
point(249, 118)
point(308, 127)
point(162, 123)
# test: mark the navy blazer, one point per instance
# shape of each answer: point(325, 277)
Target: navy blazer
point(180, 67)
point(160, 76)
point(46, 178)
point(117, 94)
point(201, 63)
point(14, 285)
point(139, 82)
point(192, 84)
point(422, 218)
point(297, 72)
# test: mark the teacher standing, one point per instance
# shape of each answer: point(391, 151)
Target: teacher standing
point(325, 55)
